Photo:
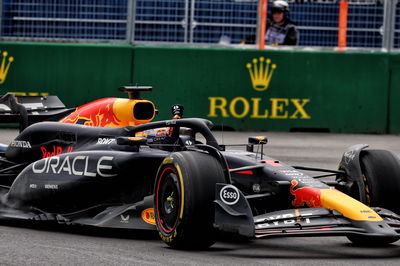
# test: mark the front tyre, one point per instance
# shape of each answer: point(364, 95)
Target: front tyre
point(381, 184)
point(381, 179)
point(184, 193)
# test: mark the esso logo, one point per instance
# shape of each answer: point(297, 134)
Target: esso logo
point(229, 195)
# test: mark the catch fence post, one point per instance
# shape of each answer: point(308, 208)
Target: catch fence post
point(263, 23)
point(342, 31)
point(389, 24)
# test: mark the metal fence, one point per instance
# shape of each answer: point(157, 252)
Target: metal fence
point(396, 36)
point(318, 23)
point(194, 21)
point(371, 23)
point(55, 20)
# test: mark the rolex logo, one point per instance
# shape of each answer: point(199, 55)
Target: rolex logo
point(261, 72)
point(5, 65)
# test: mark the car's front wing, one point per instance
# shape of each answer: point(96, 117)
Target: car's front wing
point(233, 214)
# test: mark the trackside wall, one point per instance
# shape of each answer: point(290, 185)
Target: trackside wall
point(290, 90)
point(339, 92)
point(394, 95)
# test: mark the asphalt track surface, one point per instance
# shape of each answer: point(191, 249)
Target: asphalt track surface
point(62, 245)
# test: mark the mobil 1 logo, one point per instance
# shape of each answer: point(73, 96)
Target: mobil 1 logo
point(229, 195)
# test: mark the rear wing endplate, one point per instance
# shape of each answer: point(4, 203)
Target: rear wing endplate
point(27, 110)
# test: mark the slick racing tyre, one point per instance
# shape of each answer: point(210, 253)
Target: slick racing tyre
point(381, 179)
point(184, 193)
point(381, 183)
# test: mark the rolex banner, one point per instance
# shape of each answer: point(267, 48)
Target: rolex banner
point(5, 66)
point(271, 90)
point(239, 89)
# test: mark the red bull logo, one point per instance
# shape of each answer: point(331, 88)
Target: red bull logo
point(99, 113)
point(332, 199)
point(305, 195)
point(55, 150)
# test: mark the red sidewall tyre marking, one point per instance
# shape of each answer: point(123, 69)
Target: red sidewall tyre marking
point(160, 222)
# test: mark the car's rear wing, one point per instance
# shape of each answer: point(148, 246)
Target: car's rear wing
point(27, 110)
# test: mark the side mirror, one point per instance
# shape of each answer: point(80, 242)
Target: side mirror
point(255, 141)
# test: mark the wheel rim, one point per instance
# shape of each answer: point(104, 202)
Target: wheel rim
point(168, 200)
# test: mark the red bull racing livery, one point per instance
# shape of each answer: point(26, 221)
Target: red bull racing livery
point(105, 164)
point(305, 196)
point(99, 113)
point(111, 112)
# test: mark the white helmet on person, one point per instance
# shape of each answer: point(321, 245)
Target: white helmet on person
point(280, 6)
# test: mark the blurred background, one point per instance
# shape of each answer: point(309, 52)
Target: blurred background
point(342, 76)
point(372, 24)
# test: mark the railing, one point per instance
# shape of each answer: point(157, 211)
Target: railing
point(371, 24)
point(396, 23)
point(71, 20)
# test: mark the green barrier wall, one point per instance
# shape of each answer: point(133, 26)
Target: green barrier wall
point(242, 89)
point(76, 73)
point(339, 92)
point(394, 95)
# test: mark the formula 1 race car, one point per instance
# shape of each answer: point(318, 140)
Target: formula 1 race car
point(100, 166)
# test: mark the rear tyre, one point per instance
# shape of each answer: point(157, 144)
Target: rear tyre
point(184, 193)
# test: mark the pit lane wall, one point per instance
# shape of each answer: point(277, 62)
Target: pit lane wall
point(241, 89)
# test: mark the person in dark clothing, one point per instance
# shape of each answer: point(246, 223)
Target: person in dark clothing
point(281, 30)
